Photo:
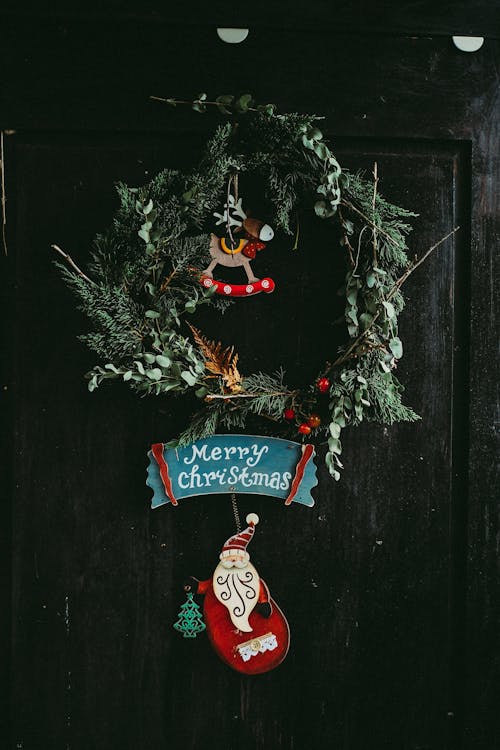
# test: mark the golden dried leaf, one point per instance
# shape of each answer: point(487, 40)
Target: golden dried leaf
point(219, 360)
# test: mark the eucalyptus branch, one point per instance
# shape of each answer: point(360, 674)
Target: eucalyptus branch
point(72, 263)
point(395, 288)
point(227, 104)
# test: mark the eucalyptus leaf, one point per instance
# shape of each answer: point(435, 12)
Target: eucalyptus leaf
point(163, 361)
point(389, 308)
point(396, 347)
point(334, 429)
point(188, 377)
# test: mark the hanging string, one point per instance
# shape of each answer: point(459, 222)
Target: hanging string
point(236, 513)
point(228, 225)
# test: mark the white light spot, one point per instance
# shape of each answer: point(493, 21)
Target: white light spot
point(265, 283)
point(207, 282)
point(468, 43)
point(232, 36)
point(249, 289)
point(227, 289)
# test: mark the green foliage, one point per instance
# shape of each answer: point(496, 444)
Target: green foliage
point(144, 279)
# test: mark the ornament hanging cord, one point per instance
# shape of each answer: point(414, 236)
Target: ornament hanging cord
point(236, 512)
point(233, 181)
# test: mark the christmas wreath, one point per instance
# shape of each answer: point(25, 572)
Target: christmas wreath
point(148, 274)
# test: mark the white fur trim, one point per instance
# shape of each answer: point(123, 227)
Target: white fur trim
point(253, 519)
point(233, 553)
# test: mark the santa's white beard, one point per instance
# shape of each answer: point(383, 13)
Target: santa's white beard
point(238, 590)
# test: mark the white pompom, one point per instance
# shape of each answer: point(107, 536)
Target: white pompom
point(253, 519)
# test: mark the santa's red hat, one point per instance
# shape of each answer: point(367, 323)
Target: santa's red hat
point(238, 542)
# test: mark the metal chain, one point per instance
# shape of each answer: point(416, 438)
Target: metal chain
point(236, 513)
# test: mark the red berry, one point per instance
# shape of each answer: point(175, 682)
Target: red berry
point(289, 414)
point(323, 385)
point(304, 429)
point(314, 420)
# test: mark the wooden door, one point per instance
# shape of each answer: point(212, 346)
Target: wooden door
point(389, 582)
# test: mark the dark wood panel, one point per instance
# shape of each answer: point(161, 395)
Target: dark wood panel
point(363, 577)
point(95, 574)
point(478, 18)
point(99, 76)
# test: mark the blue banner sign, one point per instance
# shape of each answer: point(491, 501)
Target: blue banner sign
point(232, 463)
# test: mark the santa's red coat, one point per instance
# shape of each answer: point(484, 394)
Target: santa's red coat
point(226, 638)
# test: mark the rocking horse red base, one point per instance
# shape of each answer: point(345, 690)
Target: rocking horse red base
point(239, 290)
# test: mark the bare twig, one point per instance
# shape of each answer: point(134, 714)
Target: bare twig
point(418, 262)
point(351, 207)
point(4, 196)
point(229, 396)
point(169, 278)
point(358, 253)
point(297, 234)
point(346, 239)
point(72, 263)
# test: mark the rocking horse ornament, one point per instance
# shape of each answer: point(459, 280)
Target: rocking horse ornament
point(233, 252)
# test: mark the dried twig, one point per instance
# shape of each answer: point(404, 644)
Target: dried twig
point(351, 207)
point(418, 262)
point(229, 396)
point(4, 197)
point(72, 263)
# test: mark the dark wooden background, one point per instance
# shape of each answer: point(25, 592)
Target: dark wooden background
point(390, 583)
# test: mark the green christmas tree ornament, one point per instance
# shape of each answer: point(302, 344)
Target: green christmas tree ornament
point(190, 621)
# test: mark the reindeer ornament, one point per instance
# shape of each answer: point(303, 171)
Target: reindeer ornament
point(232, 252)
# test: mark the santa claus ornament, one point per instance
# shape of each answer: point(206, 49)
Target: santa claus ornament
point(246, 628)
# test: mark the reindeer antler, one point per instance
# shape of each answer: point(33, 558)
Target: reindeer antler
point(232, 209)
point(235, 207)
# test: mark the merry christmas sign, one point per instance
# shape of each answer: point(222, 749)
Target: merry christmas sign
point(233, 463)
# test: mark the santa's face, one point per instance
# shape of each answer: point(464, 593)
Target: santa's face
point(236, 560)
point(236, 585)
